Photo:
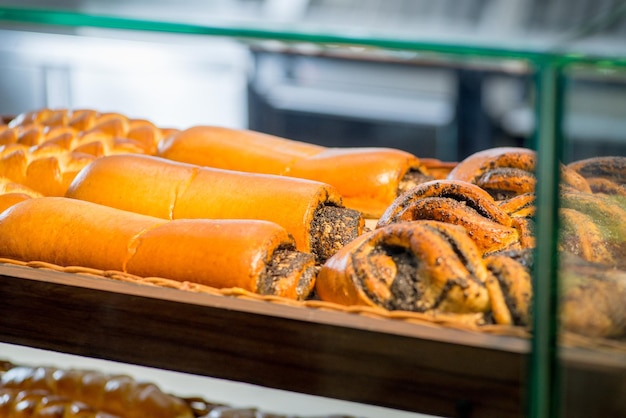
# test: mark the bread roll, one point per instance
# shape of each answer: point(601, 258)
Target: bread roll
point(12, 193)
point(606, 174)
point(422, 266)
point(506, 172)
point(368, 179)
point(460, 203)
point(15, 403)
point(118, 395)
point(44, 150)
point(310, 211)
point(258, 256)
point(96, 133)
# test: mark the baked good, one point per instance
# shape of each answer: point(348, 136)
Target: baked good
point(312, 212)
point(12, 193)
point(368, 179)
point(505, 172)
point(15, 403)
point(460, 203)
point(140, 135)
point(113, 395)
point(258, 256)
point(593, 227)
point(515, 282)
point(45, 149)
point(592, 298)
point(606, 174)
point(421, 266)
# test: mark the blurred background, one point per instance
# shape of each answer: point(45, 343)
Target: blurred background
point(334, 96)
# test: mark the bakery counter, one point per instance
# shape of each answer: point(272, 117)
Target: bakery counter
point(404, 364)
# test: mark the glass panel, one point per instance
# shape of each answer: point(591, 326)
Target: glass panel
point(592, 246)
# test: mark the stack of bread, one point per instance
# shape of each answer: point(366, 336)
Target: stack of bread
point(377, 227)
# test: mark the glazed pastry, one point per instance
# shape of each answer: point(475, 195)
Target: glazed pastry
point(12, 193)
point(257, 256)
point(436, 168)
point(516, 285)
point(609, 167)
point(604, 174)
point(609, 231)
point(118, 395)
point(519, 206)
point(84, 131)
point(580, 235)
point(592, 298)
point(421, 266)
point(368, 179)
point(44, 150)
point(310, 211)
point(457, 202)
point(15, 403)
point(48, 173)
point(508, 171)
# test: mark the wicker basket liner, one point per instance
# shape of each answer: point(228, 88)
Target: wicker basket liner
point(447, 321)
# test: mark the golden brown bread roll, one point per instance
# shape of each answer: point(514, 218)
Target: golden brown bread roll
point(505, 172)
point(258, 256)
point(118, 395)
point(46, 170)
point(515, 281)
point(9, 199)
point(593, 227)
point(592, 298)
point(312, 212)
point(418, 266)
point(12, 193)
point(460, 203)
point(15, 403)
point(606, 174)
point(368, 179)
point(44, 150)
point(97, 133)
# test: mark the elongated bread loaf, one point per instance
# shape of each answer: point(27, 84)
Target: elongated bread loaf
point(368, 179)
point(310, 211)
point(258, 256)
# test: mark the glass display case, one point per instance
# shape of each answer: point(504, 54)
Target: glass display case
point(552, 366)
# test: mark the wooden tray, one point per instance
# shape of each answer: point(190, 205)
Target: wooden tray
point(364, 357)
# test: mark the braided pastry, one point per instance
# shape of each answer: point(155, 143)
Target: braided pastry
point(604, 174)
point(509, 171)
point(460, 203)
point(15, 403)
point(599, 228)
point(45, 149)
point(421, 266)
point(143, 134)
point(515, 283)
point(12, 193)
point(118, 395)
point(592, 298)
